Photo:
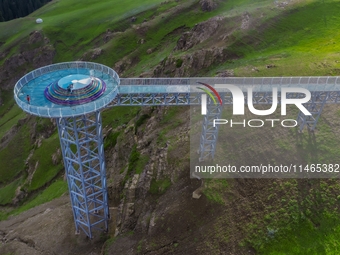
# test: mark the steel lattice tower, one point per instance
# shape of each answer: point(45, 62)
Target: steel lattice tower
point(315, 107)
point(73, 93)
point(83, 152)
point(209, 131)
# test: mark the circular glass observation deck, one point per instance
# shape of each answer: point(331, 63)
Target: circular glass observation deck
point(66, 89)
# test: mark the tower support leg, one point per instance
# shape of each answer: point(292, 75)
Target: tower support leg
point(315, 107)
point(82, 147)
point(209, 132)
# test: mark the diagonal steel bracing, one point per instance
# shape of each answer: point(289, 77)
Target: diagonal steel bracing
point(209, 131)
point(155, 99)
point(83, 153)
point(315, 107)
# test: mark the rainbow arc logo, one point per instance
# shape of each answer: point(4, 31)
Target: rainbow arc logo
point(204, 96)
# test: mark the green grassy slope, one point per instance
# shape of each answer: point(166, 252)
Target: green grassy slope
point(306, 238)
point(309, 32)
point(302, 39)
point(72, 25)
point(296, 214)
point(13, 157)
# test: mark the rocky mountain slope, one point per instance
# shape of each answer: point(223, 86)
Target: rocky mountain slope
point(147, 151)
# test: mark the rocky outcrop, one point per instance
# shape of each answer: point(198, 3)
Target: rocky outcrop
point(199, 36)
point(153, 174)
point(20, 194)
point(245, 21)
point(35, 52)
point(56, 157)
point(226, 73)
point(92, 54)
point(208, 5)
point(192, 64)
point(8, 137)
point(199, 33)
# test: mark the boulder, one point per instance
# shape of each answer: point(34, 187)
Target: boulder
point(208, 5)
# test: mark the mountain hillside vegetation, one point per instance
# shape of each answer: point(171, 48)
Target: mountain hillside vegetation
point(152, 207)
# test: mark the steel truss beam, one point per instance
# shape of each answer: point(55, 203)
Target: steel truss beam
point(315, 107)
point(209, 132)
point(83, 152)
point(154, 99)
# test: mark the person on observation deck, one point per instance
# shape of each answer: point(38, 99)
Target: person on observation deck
point(70, 88)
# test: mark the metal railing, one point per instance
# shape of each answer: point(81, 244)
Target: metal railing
point(56, 112)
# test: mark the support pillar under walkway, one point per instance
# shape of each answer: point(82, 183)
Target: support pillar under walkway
point(83, 152)
point(209, 132)
point(315, 107)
